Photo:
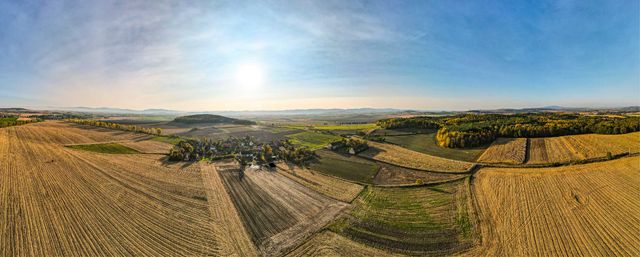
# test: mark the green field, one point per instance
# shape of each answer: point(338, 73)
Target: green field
point(349, 168)
point(8, 119)
point(313, 140)
point(110, 148)
point(409, 220)
point(426, 143)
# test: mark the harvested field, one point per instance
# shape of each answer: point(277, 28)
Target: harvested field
point(347, 167)
point(328, 243)
point(581, 147)
point(578, 210)
point(411, 159)
point(236, 239)
point(418, 221)
point(390, 175)
point(58, 201)
point(505, 150)
point(278, 212)
point(149, 146)
point(110, 148)
point(332, 187)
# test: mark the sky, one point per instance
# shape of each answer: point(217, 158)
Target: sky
point(275, 55)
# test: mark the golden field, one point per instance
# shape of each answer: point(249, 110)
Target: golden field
point(579, 210)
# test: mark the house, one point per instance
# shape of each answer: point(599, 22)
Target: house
point(358, 149)
point(335, 145)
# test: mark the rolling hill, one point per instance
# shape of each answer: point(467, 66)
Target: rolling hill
point(211, 119)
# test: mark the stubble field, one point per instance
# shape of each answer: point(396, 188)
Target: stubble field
point(579, 210)
point(581, 147)
point(411, 159)
point(61, 201)
point(505, 150)
point(278, 212)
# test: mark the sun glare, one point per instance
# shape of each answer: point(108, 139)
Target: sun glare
point(250, 75)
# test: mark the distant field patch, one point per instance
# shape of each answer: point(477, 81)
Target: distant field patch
point(313, 140)
point(349, 168)
point(110, 148)
point(426, 143)
point(423, 220)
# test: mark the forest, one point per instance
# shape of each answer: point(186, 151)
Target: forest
point(470, 130)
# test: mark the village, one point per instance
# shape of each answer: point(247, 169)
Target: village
point(247, 151)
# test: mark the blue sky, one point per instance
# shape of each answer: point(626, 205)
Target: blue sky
point(431, 55)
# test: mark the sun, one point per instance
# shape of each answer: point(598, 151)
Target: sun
point(250, 75)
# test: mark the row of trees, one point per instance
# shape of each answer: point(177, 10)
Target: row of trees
point(477, 129)
point(111, 125)
point(8, 122)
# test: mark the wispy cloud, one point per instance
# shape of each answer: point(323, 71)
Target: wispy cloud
point(182, 54)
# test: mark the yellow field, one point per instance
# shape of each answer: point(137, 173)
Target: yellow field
point(581, 147)
point(335, 188)
point(328, 243)
point(236, 239)
point(579, 210)
point(411, 159)
point(505, 150)
point(148, 146)
point(59, 201)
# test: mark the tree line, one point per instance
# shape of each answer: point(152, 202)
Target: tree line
point(111, 125)
point(470, 130)
point(6, 121)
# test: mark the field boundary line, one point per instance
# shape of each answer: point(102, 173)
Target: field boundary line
point(560, 164)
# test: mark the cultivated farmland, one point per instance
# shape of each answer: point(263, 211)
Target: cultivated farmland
point(505, 150)
point(427, 144)
point(581, 147)
point(347, 167)
point(60, 201)
point(313, 140)
point(148, 146)
point(390, 175)
point(411, 159)
point(329, 243)
point(579, 210)
point(332, 187)
point(278, 212)
point(418, 221)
